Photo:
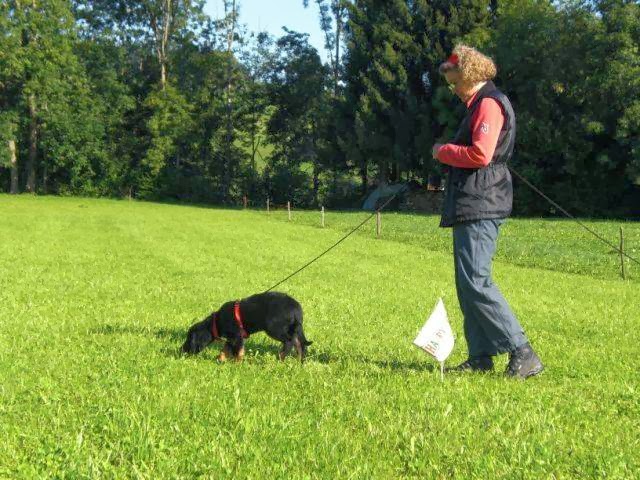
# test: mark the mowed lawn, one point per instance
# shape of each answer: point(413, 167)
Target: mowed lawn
point(96, 296)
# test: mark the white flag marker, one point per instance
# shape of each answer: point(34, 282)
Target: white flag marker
point(436, 336)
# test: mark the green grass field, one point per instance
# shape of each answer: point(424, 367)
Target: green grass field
point(96, 295)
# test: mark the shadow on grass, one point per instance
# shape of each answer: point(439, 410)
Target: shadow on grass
point(173, 334)
point(401, 366)
point(173, 339)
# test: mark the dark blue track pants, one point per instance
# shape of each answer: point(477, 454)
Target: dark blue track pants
point(490, 327)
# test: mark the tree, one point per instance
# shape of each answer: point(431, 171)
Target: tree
point(155, 99)
point(167, 126)
point(298, 90)
point(378, 49)
point(332, 12)
point(615, 89)
point(257, 60)
point(153, 23)
point(230, 20)
point(48, 96)
point(576, 104)
point(11, 69)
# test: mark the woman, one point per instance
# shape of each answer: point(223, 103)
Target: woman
point(478, 199)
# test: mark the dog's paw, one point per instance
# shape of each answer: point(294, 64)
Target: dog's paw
point(225, 354)
point(240, 355)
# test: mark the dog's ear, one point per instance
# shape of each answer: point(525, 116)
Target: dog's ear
point(194, 345)
point(200, 339)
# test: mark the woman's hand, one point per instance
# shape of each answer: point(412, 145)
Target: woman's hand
point(435, 149)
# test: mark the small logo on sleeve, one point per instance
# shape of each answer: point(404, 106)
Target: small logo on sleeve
point(484, 127)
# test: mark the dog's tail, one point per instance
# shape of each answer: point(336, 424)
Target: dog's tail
point(304, 341)
point(298, 330)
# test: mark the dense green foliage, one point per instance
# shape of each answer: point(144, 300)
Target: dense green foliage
point(153, 99)
point(96, 304)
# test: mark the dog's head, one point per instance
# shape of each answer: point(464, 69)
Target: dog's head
point(198, 337)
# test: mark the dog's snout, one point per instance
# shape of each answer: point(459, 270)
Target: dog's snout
point(186, 347)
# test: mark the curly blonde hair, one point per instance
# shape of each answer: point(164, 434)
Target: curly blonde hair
point(474, 66)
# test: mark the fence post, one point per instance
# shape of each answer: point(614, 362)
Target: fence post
point(378, 223)
point(624, 275)
point(244, 201)
point(289, 209)
point(267, 205)
point(322, 217)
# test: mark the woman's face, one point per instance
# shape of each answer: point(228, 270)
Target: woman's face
point(458, 86)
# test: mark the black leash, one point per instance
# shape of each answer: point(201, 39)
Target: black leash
point(379, 209)
point(530, 185)
point(592, 232)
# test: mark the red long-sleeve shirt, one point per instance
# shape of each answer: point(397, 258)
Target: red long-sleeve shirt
point(486, 123)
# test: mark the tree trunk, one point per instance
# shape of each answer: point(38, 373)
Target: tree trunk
point(161, 37)
point(336, 65)
point(383, 174)
point(168, 19)
point(316, 182)
point(493, 6)
point(229, 137)
point(364, 175)
point(255, 144)
point(163, 74)
point(33, 124)
point(394, 172)
point(33, 146)
point(14, 167)
point(255, 141)
point(45, 177)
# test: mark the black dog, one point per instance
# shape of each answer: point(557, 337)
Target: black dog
point(277, 314)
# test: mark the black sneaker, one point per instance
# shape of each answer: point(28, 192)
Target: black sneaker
point(474, 364)
point(523, 363)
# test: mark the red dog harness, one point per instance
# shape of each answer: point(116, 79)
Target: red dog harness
point(237, 316)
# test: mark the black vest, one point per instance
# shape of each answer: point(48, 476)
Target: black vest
point(482, 193)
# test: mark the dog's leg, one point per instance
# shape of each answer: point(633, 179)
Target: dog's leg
point(237, 346)
point(286, 348)
point(301, 348)
point(225, 353)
